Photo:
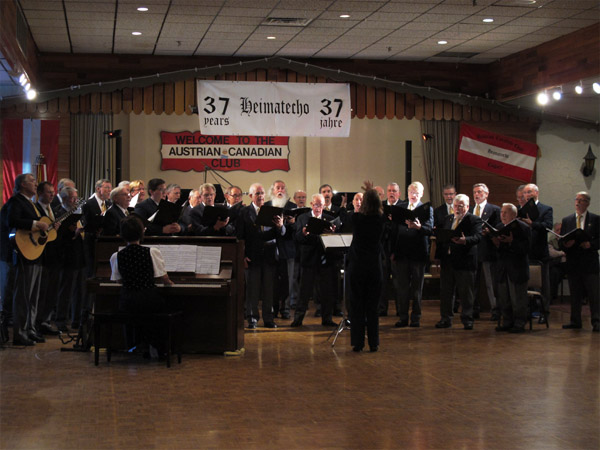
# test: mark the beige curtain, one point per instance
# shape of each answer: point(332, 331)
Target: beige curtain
point(440, 152)
point(92, 153)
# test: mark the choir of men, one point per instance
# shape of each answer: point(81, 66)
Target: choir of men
point(284, 258)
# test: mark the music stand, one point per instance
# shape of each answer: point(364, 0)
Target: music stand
point(342, 241)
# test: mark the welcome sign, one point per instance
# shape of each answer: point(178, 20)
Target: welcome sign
point(187, 151)
point(274, 109)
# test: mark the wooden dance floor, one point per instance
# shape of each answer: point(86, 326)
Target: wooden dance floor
point(424, 389)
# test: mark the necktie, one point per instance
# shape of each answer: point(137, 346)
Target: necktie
point(103, 207)
point(478, 211)
point(49, 211)
point(411, 207)
point(455, 223)
point(451, 210)
point(34, 208)
point(578, 220)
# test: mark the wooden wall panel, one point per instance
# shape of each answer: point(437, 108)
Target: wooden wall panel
point(419, 107)
point(409, 105)
point(42, 107)
point(138, 100)
point(190, 95)
point(370, 93)
point(127, 100)
point(179, 97)
point(159, 98)
point(353, 100)
point(380, 104)
point(148, 93)
point(169, 98)
point(400, 106)
point(361, 100)
point(390, 104)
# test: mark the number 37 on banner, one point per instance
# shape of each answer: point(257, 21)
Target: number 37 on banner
point(274, 109)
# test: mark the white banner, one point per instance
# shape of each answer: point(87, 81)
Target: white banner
point(273, 109)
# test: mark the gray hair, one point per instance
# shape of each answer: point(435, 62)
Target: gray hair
point(253, 187)
point(585, 195)
point(117, 191)
point(512, 207)
point(65, 191)
point(462, 198)
point(19, 180)
point(206, 187)
point(100, 182)
point(482, 186)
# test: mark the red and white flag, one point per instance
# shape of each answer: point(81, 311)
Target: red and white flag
point(502, 155)
point(23, 141)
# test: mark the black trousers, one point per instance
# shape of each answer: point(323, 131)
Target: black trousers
point(325, 276)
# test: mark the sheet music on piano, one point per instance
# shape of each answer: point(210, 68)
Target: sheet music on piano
point(203, 260)
point(208, 260)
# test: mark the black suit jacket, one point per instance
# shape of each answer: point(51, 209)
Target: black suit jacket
point(21, 214)
point(513, 261)
point(6, 247)
point(410, 243)
point(52, 251)
point(439, 215)
point(539, 233)
point(145, 210)
point(285, 243)
point(111, 225)
point(579, 259)
point(311, 248)
point(257, 246)
point(202, 230)
point(462, 257)
point(71, 247)
point(486, 251)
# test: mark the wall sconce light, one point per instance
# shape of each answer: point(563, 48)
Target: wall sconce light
point(589, 161)
point(427, 137)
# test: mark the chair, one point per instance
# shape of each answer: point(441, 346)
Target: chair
point(534, 290)
point(171, 322)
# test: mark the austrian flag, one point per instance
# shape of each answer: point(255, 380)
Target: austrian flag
point(502, 155)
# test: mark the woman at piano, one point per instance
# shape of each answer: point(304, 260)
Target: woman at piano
point(139, 268)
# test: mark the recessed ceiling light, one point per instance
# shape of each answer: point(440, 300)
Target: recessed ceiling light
point(136, 33)
point(488, 20)
point(596, 88)
point(442, 42)
point(579, 88)
point(345, 16)
point(557, 95)
point(31, 94)
point(142, 8)
point(542, 98)
point(271, 37)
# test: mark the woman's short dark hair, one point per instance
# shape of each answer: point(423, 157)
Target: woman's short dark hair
point(132, 228)
point(371, 204)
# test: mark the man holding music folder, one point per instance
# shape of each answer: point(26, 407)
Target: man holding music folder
point(159, 216)
point(512, 239)
point(209, 219)
point(316, 266)
point(410, 252)
point(457, 250)
point(580, 241)
point(23, 216)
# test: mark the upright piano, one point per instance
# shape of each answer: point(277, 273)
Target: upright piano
point(212, 305)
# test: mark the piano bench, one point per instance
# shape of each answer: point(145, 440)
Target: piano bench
point(171, 322)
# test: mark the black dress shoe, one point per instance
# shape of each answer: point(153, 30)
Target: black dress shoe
point(63, 329)
point(476, 315)
point(401, 324)
point(49, 330)
point(23, 341)
point(468, 326)
point(270, 325)
point(503, 327)
point(415, 324)
point(36, 337)
point(357, 348)
point(338, 313)
point(251, 324)
point(596, 328)
point(296, 323)
point(285, 315)
point(571, 326)
point(494, 318)
point(374, 348)
point(329, 323)
point(443, 324)
point(542, 320)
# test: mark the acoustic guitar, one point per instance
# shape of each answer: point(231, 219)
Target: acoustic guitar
point(31, 243)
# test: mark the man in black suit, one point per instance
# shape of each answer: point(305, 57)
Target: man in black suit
point(539, 244)
point(193, 200)
point(50, 267)
point(24, 215)
point(458, 263)
point(147, 208)
point(286, 251)
point(512, 271)
point(7, 267)
point(317, 268)
point(486, 251)
point(389, 230)
point(93, 211)
point(582, 261)
point(260, 258)
point(441, 212)
point(410, 253)
point(119, 196)
point(220, 227)
point(71, 289)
